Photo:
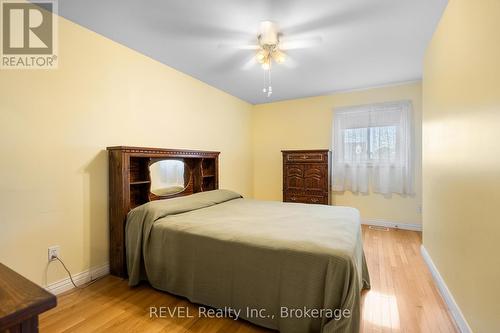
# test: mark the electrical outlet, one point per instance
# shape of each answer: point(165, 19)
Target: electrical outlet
point(419, 209)
point(53, 252)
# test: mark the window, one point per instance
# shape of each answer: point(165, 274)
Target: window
point(372, 147)
point(370, 144)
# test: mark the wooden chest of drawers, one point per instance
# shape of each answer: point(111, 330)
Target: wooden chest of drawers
point(21, 302)
point(306, 176)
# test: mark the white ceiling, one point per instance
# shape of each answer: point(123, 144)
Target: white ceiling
point(365, 43)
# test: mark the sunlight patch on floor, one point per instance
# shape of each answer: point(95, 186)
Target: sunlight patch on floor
point(381, 309)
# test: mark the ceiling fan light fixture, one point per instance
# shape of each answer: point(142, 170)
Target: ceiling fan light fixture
point(269, 48)
point(261, 56)
point(279, 56)
point(268, 33)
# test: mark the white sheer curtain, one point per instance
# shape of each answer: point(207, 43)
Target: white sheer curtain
point(373, 148)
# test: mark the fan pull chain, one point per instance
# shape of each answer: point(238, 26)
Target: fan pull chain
point(270, 89)
point(267, 85)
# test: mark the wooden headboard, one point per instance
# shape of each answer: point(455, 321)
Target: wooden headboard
point(130, 184)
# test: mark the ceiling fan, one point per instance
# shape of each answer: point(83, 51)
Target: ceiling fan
point(270, 48)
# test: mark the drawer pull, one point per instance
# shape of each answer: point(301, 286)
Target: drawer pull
point(293, 198)
point(314, 199)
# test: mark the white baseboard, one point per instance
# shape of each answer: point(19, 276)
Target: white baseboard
point(392, 224)
point(79, 278)
point(462, 324)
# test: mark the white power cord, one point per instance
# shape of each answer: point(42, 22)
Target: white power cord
point(71, 278)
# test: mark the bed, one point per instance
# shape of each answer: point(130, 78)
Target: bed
point(285, 266)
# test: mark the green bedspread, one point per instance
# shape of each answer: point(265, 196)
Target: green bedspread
point(291, 267)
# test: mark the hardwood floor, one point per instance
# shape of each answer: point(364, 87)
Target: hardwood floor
point(403, 298)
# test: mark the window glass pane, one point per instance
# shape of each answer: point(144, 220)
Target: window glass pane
point(356, 144)
point(370, 144)
point(383, 143)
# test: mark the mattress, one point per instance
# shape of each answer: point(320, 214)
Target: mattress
point(285, 266)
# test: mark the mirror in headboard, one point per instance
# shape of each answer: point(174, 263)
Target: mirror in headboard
point(169, 177)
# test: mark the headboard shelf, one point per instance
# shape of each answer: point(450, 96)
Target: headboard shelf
point(130, 186)
point(138, 169)
point(141, 182)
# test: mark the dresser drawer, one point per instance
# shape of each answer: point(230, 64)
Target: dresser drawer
point(310, 199)
point(306, 157)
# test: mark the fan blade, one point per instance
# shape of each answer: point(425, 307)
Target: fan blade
point(289, 62)
point(293, 44)
point(350, 13)
point(249, 64)
point(238, 46)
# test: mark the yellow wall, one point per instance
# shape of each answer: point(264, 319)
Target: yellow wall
point(461, 157)
point(306, 124)
point(55, 125)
